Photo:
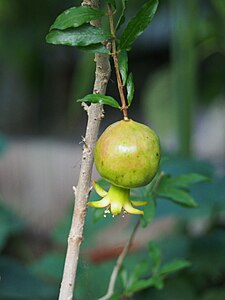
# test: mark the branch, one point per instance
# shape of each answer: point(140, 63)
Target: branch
point(81, 192)
point(116, 64)
point(119, 263)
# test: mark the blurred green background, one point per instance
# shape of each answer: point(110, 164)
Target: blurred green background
point(179, 72)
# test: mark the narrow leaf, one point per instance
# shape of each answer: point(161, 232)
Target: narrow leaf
point(124, 277)
point(75, 17)
point(101, 99)
point(121, 19)
point(184, 181)
point(137, 272)
point(149, 213)
point(158, 282)
point(155, 254)
point(81, 36)
point(139, 285)
point(123, 66)
point(174, 266)
point(138, 24)
point(178, 196)
point(113, 2)
point(130, 89)
point(95, 48)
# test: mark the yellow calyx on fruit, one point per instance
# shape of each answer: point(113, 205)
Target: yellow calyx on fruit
point(117, 199)
point(127, 155)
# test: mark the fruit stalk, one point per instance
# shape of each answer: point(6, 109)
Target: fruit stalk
point(116, 64)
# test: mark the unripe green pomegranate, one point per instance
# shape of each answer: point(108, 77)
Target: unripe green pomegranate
point(127, 155)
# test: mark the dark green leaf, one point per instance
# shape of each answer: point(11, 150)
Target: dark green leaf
point(101, 99)
point(130, 89)
point(123, 65)
point(137, 272)
point(95, 48)
point(155, 254)
point(113, 2)
point(75, 17)
point(115, 296)
point(183, 181)
point(124, 277)
point(220, 7)
point(174, 266)
point(149, 213)
point(82, 36)
point(158, 282)
point(214, 294)
point(139, 285)
point(178, 196)
point(121, 19)
point(138, 24)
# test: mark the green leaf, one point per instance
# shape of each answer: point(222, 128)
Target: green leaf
point(214, 294)
point(138, 24)
point(149, 213)
point(113, 2)
point(158, 282)
point(139, 285)
point(155, 254)
point(220, 7)
point(75, 17)
point(142, 284)
point(123, 65)
point(174, 266)
point(82, 36)
point(101, 99)
point(130, 89)
point(183, 181)
point(178, 196)
point(95, 48)
point(124, 277)
point(137, 272)
point(115, 296)
point(121, 19)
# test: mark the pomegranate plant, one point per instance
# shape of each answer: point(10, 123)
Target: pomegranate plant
point(127, 154)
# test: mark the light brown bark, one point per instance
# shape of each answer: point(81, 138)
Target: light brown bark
point(81, 192)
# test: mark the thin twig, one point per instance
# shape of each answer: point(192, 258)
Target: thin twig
point(116, 64)
point(95, 114)
point(119, 263)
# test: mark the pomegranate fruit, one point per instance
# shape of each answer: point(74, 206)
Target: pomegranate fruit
point(127, 155)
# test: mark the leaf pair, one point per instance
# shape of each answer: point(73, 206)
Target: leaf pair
point(173, 188)
point(138, 279)
point(70, 28)
point(126, 78)
point(138, 24)
point(176, 188)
